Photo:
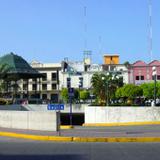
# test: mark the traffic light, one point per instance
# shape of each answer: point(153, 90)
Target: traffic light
point(68, 82)
point(80, 82)
point(71, 92)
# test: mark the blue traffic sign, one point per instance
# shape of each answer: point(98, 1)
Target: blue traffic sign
point(55, 107)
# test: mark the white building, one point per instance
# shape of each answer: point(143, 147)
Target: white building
point(79, 70)
point(48, 88)
point(57, 74)
point(119, 69)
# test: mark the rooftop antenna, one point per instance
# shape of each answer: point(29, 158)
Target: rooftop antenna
point(85, 28)
point(86, 53)
point(100, 46)
point(150, 30)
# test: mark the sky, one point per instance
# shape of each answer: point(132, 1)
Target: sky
point(50, 30)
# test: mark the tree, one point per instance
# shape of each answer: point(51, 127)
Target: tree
point(119, 92)
point(4, 69)
point(84, 95)
point(98, 85)
point(104, 86)
point(127, 64)
point(129, 92)
point(158, 89)
point(148, 90)
point(64, 94)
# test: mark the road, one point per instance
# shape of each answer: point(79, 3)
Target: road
point(18, 149)
point(80, 131)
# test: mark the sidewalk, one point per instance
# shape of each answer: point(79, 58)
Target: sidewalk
point(84, 134)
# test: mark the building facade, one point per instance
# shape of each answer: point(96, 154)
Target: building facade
point(141, 72)
point(79, 74)
point(111, 59)
point(48, 88)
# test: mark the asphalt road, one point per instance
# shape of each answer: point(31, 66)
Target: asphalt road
point(116, 131)
point(19, 149)
point(79, 131)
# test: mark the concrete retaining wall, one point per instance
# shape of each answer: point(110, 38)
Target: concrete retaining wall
point(76, 108)
point(46, 121)
point(121, 114)
point(15, 107)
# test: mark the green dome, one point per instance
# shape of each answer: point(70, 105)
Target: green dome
point(18, 66)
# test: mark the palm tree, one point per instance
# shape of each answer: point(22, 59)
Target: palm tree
point(99, 89)
point(105, 86)
point(4, 69)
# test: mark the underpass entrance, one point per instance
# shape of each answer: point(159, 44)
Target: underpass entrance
point(77, 118)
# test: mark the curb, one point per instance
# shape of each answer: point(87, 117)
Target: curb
point(80, 139)
point(116, 139)
point(66, 127)
point(120, 124)
point(36, 137)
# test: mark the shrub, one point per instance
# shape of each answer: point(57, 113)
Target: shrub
point(3, 101)
point(84, 95)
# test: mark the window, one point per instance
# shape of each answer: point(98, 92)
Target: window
point(34, 87)
point(54, 86)
point(44, 96)
point(33, 80)
point(24, 86)
point(139, 78)
point(54, 98)
point(44, 87)
point(158, 77)
point(54, 76)
point(44, 78)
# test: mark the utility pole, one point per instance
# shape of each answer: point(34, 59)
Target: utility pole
point(154, 74)
point(59, 112)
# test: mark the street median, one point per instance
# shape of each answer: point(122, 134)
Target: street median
point(120, 124)
point(36, 137)
point(80, 139)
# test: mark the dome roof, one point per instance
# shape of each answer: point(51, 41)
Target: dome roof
point(18, 66)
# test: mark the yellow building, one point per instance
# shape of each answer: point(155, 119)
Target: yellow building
point(111, 59)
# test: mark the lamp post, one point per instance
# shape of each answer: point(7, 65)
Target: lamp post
point(106, 85)
point(110, 80)
point(106, 89)
point(154, 73)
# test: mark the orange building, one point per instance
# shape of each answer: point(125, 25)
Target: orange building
point(111, 59)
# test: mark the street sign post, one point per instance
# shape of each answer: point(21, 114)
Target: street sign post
point(71, 95)
point(56, 107)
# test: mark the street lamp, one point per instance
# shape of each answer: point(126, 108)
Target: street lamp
point(154, 73)
point(106, 89)
point(108, 81)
